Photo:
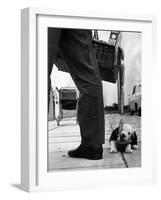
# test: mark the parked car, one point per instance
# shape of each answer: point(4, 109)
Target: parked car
point(135, 99)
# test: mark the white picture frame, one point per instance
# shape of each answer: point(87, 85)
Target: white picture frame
point(34, 174)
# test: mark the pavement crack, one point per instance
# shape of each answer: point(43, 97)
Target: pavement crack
point(124, 160)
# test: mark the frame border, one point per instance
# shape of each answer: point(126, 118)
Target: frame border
point(29, 145)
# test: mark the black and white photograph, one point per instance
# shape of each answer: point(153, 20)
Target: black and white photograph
point(94, 99)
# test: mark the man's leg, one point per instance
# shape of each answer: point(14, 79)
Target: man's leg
point(76, 46)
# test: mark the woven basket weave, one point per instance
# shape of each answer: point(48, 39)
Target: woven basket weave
point(108, 57)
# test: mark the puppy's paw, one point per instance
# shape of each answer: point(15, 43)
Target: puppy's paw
point(113, 150)
point(135, 147)
point(128, 149)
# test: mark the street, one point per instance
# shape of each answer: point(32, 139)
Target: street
point(66, 136)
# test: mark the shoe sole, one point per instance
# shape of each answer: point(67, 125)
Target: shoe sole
point(95, 157)
point(90, 157)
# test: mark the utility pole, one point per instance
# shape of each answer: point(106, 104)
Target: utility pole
point(115, 40)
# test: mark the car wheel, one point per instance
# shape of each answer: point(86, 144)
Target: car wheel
point(136, 107)
point(139, 113)
point(131, 112)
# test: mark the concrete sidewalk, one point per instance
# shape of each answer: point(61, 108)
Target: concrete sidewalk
point(66, 137)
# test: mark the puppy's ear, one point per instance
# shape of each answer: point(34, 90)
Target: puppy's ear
point(121, 123)
point(134, 138)
point(114, 135)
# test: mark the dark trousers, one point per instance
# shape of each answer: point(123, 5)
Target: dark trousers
point(76, 47)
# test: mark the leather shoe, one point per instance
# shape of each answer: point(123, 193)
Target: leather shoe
point(90, 152)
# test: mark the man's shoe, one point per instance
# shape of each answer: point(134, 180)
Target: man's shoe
point(89, 152)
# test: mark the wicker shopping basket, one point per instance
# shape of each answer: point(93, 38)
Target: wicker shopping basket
point(109, 59)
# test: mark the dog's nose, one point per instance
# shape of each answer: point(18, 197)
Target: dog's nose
point(123, 135)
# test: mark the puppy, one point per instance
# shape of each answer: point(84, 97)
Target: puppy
point(123, 139)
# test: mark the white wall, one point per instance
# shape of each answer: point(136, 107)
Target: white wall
point(10, 98)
